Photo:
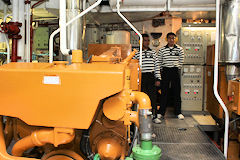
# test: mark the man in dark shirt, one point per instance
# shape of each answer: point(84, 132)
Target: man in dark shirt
point(150, 74)
point(171, 59)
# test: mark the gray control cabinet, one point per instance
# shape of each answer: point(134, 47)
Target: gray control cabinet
point(192, 87)
point(194, 41)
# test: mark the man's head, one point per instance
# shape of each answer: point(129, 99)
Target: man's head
point(171, 39)
point(146, 41)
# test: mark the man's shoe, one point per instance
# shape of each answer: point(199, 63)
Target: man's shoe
point(157, 121)
point(180, 116)
point(159, 116)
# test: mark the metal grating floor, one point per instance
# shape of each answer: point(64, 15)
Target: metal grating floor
point(179, 135)
point(183, 140)
point(190, 152)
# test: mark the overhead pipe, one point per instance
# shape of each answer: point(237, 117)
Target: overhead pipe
point(140, 5)
point(71, 21)
point(135, 30)
point(215, 85)
point(170, 8)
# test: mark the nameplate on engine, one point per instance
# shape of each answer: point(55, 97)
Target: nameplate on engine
point(51, 80)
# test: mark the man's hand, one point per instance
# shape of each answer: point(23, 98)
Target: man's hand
point(157, 83)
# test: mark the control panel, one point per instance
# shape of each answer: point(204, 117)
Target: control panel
point(194, 41)
point(134, 39)
point(41, 36)
point(192, 87)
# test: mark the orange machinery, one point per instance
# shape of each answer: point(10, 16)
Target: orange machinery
point(64, 112)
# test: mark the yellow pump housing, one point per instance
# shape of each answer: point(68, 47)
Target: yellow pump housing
point(57, 95)
point(59, 107)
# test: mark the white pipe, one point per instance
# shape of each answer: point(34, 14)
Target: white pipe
point(71, 21)
point(28, 28)
point(135, 30)
point(15, 7)
point(21, 19)
point(63, 28)
point(215, 89)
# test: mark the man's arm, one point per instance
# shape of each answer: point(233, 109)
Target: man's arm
point(157, 67)
point(137, 55)
point(181, 58)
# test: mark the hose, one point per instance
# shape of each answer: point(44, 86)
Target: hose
point(85, 145)
point(96, 157)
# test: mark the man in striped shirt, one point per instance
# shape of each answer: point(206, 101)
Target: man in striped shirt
point(150, 74)
point(171, 59)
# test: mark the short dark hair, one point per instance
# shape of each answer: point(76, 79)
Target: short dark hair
point(145, 35)
point(171, 34)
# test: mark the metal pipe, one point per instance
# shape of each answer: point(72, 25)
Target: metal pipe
point(14, 50)
point(74, 31)
point(29, 57)
point(215, 85)
point(170, 8)
point(135, 30)
point(71, 21)
point(142, 99)
point(42, 137)
point(28, 27)
point(21, 19)
point(15, 13)
point(37, 3)
point(143, 9)
point(63, 28)
point(145, 124)
point(3, 152)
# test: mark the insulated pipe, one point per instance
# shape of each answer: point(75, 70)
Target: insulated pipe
point(21, 19)
point(15, 13)
point(135, 30)
point(28, 27)
point(42, 137)
point(3, 152)
point(170, 8)
point(63, 28)
point(215, 85)
point(71, 21)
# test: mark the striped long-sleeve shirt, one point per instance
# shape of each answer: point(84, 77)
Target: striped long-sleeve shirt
point(150, 62)
point(171, 56)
